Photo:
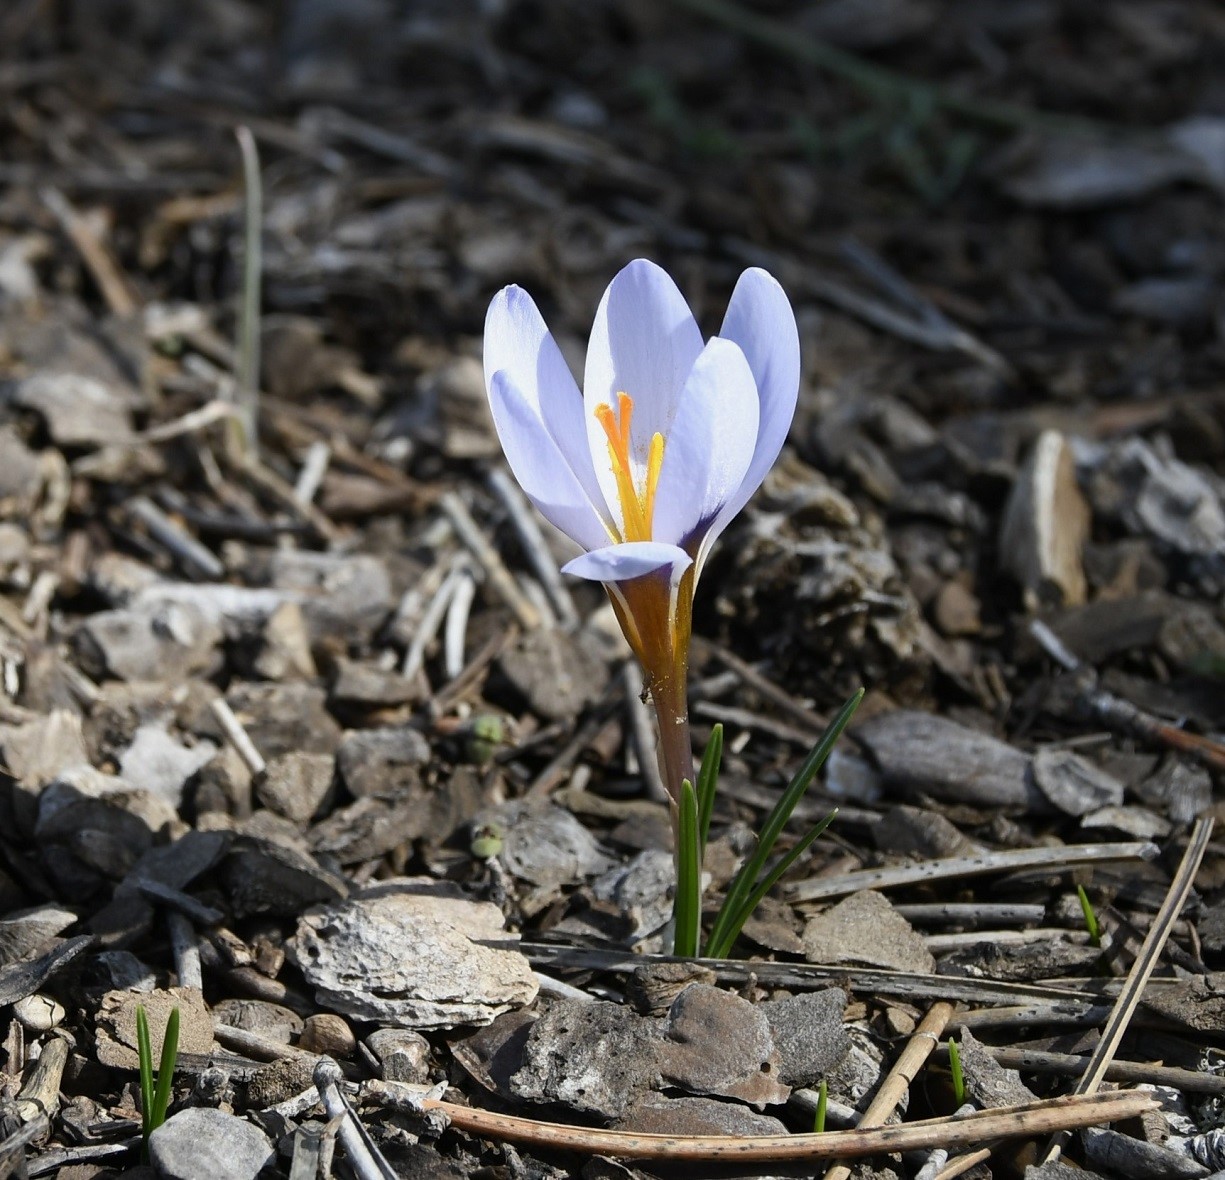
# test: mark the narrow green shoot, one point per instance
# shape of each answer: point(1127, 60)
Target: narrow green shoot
point(818, 1122)
point(754, 881)
point(144, 1051)
point(959, 1078)
point(708, 780)
point(155, 1101)
point(687, 909)
point(1091, 923)
point(247, 370)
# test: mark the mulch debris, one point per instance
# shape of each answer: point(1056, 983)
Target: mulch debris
point(313, 745)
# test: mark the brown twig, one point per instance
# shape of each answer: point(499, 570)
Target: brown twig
point(918, 1049)
point(1035, 1118)
point(1121, 715)
point(97, 258)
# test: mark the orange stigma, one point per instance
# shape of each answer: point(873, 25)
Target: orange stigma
point(637, 505)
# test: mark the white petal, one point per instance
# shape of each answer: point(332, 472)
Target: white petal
point(760, 320)
point(634, 559)
point(518, 343)
point(644, 342)
point(539, 466)
point(710, 445)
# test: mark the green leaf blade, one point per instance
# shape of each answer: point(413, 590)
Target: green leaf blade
point(687, 908)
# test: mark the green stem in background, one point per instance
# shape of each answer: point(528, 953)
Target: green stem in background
point(959, 1077)
point(818, 1122)
point(753, 880)
point(247, 370)
point(708, 782)
point(1091, 923)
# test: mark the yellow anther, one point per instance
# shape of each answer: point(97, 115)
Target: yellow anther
point(637, 506)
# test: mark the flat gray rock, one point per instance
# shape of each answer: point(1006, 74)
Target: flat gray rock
point(544, 844)
point(865, 929)
point(158, 762)
point(409, 955)
point(23, 931)
point(988, 1083)
point(201, 1143)
point(558, 673)
point(593, 1057)
point(170, 641)
point(296, 784)
point(808, 1034)
point(717, 1043)
point(920, 753)
point(653, 1114)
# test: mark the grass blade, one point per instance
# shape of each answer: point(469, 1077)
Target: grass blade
point(708, 780)
point(165, 1071)
point(736, 919)
point(687, 908)
point(144, 1052)
point(744, 883)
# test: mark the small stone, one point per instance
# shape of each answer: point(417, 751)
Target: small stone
point(116, 1024)
point(1072, 783)
point(35, 753)
point(38, 1013)
point(412, 955)
point(717, 1043)
point(364, 684)
point(159, 763)
point(382, 761)
point(403, 1055)
point(328, 1035)
point(593, 1057)
point(653, 1114)
point(79, 409)
point(282, 718)
point(26, 930)
point(544, 844)
point(166, 642)
point(263, 877)
point(280, 1081)
point(956, 611)
point(988, 1083)
point(865, 929)
point(558, 673)
point(297, 784)
point(200, 1143)
point(808, 1034)
point(343, 595)
point(285, 652)
point(273, 1021)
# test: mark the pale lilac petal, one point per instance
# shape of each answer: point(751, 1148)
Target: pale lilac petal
point(760, 320)
point(518, 343)
point(710, 445)
point(644, 342)
point(539, 466)
point(634, 559)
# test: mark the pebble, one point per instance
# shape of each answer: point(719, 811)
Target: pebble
point(202, 1144)
point(38, 1013)
point(328, 1035)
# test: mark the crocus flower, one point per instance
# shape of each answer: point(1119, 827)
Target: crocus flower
point(646, 466)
